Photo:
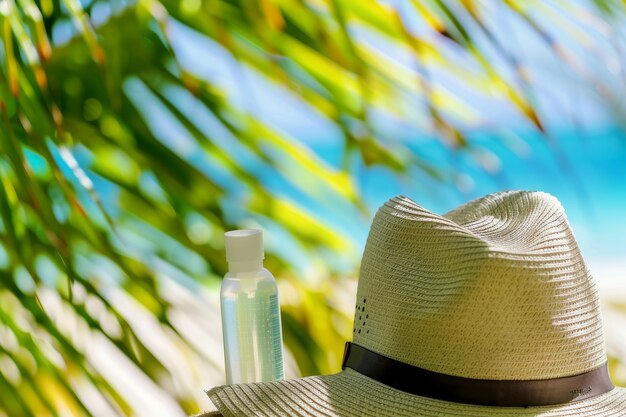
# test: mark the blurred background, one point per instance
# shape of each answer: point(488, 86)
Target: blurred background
point(134, 133)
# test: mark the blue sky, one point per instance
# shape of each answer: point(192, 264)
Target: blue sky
point(561, 94)
point(581, 161)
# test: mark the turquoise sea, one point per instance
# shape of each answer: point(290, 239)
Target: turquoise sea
point(586, 172)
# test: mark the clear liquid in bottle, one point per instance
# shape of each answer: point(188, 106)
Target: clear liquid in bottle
point(250, 313)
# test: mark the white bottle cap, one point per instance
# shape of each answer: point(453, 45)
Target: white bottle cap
point(244, 245)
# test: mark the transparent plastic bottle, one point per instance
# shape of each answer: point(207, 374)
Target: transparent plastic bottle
point(250, 312)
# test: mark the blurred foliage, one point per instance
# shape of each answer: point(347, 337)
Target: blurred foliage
point(106, 217)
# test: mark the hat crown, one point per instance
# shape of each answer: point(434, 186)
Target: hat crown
point(496, 289)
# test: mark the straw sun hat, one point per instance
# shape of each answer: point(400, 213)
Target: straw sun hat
point(488, 310)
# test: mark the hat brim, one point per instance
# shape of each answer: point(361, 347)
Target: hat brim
point(350, 394)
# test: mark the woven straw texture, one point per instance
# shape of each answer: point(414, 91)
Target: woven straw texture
point(496, 289)
point(350, 394)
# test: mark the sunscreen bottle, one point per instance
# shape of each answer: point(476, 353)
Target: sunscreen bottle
point(250, 312)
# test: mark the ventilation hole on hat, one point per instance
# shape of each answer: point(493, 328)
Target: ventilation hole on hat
point(364, 323)
point(359, 331)
point(364, 300)
point(367, 316)
point(360, 317)
point(354, 331)
point(368, 330)
point(363, 308)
